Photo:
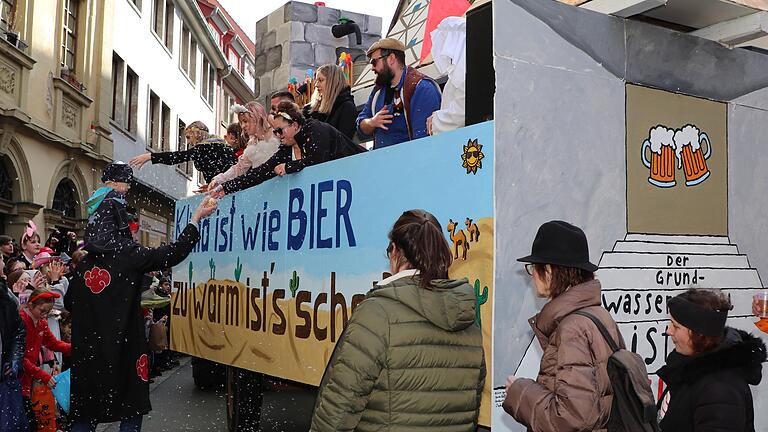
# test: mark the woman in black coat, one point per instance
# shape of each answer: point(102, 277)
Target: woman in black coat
point(332, 102)
point(709, 373)
point(210, 154)
point(303, 143)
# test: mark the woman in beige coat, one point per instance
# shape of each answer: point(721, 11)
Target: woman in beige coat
point(572, 391)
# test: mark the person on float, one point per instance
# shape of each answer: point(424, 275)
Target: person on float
point(210, 154)
point(262, 143)
point(305, 142)
point(332, 101)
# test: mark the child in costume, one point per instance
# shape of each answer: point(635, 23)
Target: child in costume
point(108, 228)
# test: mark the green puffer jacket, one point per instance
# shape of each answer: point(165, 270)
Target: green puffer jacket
point(409, 359)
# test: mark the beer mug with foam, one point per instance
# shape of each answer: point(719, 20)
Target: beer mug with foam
point(694, 160)
point(661, 164)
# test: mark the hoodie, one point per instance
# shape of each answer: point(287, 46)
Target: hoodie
point(409, 359)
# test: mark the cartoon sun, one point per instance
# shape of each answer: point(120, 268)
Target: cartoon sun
point(472, 157)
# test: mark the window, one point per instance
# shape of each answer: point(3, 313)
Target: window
point(136, 3)
point(188, 54)
point(209, 82)
point(65, 199)
point(125, 94)
point(7, 179)
point(234, 59)
point(131, 100)
point(227, 100)
point(186, 167)
point(118, 68)
point(153, 132)
point(165, 126)
point(5, 12)
point(162, 21)
point(69, 35)
point(215, 33)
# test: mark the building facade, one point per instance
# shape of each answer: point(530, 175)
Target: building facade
point(54, 110)
point(169, 69)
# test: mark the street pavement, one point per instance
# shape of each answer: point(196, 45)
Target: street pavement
point(178, 406)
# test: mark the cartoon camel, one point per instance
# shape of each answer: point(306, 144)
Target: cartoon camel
point(473, 230)
point(459, 240)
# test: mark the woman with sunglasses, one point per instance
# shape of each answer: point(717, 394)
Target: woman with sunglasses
point(304, 142)
point(572, 391)
point(411, 357)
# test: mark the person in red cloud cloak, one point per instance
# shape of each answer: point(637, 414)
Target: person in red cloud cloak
point(110, 367)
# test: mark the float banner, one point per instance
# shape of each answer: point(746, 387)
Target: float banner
point(280, 267)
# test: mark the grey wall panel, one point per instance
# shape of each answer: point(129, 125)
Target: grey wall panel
point(669, 60)
point(747, 182)
point(559, 155)
point(545, 33)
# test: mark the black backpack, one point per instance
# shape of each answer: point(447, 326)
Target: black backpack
point(634, 408)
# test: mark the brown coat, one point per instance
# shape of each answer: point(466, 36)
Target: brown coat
point(572, 391)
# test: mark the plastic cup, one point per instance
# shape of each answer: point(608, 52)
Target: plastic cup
point(760, 302)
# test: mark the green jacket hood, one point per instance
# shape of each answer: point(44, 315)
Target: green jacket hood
point(449, 304)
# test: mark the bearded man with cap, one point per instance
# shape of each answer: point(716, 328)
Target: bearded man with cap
point(110, 366)
point(572, 391)
point(709, 373)
point(402, 100)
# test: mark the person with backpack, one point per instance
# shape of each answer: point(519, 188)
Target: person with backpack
point(573, 391)
point(709, 373)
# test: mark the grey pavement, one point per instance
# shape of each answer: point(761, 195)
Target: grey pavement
point(177, 405)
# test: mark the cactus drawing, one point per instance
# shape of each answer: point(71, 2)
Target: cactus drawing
point(191, 273)
point(480, 300)
point(212, 264)
point(293, 284)
point(238, 270)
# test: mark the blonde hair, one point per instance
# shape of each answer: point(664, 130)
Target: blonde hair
point(199, 131)
point(257, 113)
point(335, 82)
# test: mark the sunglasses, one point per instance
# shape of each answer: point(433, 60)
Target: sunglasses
point(389, 249)
point(376, 60)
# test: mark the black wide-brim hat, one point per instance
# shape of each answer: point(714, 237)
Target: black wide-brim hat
point(560, 243)
point(117, 172)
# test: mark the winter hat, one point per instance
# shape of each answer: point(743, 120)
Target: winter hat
point(117, 172)
point(560, 243)
point(42, 259)
point(696, 317)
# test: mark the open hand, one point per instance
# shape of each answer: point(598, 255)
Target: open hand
point(39, 280)
point(140, 160)
point(205, 209)
point(381, 119)
point(57, 269)
point(217, 192)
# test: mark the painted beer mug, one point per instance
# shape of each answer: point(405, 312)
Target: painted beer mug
point(688, 149)
point(662, 162)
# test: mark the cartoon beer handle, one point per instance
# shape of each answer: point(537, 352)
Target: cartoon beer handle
point(646, 144)
point(705, 138)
